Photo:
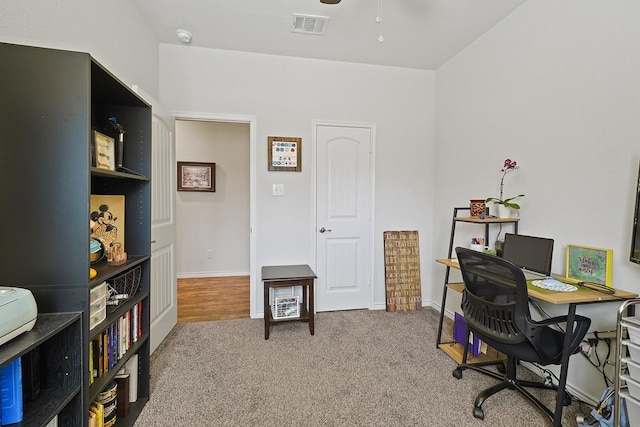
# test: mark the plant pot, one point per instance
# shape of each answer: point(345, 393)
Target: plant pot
point(504, 211)
point(477, 207)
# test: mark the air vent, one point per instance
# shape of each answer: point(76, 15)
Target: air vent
point(310, 24)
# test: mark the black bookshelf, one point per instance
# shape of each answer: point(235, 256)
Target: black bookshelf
point(52, 102)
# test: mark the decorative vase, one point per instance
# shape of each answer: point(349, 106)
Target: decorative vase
point(504, 211)
point(477, 206)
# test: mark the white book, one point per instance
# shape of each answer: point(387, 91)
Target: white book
point(131, 368)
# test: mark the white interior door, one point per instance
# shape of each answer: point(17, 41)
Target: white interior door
point(343, 216)
point(164, 298)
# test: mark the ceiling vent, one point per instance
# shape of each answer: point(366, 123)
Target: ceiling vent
point(310, 24)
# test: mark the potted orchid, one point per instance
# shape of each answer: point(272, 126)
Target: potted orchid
point(507, 204)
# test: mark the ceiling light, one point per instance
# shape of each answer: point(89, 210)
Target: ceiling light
point(184, 36)
point(379, 20)
point(330, 1)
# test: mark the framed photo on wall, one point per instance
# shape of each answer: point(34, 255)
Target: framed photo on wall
point(587, 264)
point(105, 151)
point(196, 176)
point(285, 154)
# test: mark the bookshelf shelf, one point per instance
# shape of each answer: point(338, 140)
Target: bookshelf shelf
point(53, 102)
point(455, 351)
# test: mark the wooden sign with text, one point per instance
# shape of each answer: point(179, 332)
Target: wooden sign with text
point(402, 270)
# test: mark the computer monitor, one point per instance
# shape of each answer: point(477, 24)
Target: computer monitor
point(529, 252)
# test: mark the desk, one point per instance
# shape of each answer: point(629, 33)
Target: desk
point(282, 276)
point(572, 299)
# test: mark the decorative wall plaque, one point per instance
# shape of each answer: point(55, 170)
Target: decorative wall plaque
point(402, 271)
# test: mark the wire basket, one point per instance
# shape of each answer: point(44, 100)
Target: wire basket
point(286, 307)
point(123, 287)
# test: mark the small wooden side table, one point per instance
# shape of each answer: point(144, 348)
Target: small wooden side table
point(282, 276)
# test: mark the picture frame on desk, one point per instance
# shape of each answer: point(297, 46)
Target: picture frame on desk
point(589, 264)
point(105, 151)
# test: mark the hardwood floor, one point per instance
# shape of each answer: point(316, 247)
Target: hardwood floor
point(213, 298)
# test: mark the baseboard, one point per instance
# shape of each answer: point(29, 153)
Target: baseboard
point(430, 304)
point(211, 274)
point(570, 388)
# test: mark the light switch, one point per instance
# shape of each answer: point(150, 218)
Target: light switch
point(278, 189)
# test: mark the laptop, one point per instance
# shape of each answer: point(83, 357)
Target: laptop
point(532, 254)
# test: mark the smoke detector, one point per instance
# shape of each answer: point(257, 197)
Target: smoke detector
point(310, 24)
point(184, 36)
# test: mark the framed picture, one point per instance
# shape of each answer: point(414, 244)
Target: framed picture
point(587, 264)
point(105, 151)
point(106, 213)
point(285, 154)
point(196, 176)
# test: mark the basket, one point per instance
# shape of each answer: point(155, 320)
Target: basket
point(123, 287)
point(286, 307)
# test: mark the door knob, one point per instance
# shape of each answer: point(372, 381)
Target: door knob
point(322, 230)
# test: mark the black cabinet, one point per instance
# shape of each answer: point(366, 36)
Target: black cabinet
point(52, 102)
point(57, 338)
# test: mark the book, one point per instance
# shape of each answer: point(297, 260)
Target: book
point(105, 352)
point(131, 368)
point(91, 374)
point(11, 392)
point(92, 419)
point(98, 357)
point(98, 409)
point(122, 380)
point(139, 318)
point(53, 422)
point(460, 335)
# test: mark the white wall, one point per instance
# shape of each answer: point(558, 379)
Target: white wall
point(113, 32)
point(219, 221)
point(555, 87)
point(285, 94)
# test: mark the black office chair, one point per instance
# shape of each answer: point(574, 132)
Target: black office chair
point(495, 305)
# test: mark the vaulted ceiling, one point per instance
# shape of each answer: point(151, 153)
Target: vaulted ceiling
point(421, 34)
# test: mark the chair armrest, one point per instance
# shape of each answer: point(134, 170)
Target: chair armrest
point(582, 324)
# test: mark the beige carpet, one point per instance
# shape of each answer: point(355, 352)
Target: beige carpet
point(362, 368)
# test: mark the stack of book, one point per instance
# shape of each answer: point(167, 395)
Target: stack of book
point(108, 347)
point(11, 392)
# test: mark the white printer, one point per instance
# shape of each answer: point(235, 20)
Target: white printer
point(18, 312)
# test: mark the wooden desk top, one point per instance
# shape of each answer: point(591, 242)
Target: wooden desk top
point(581, 296)
point(274, 273)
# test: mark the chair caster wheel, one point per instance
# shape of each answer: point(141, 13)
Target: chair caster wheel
point(457, 373)
point(478, 413)
point(501, 368)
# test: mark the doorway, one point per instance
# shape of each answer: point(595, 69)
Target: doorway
point(211, 250)
point(344, 215)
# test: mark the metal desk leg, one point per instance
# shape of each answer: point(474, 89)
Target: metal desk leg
point(564, 367)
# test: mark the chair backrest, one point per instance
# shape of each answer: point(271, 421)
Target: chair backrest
point(530, 252)
point(495, 300)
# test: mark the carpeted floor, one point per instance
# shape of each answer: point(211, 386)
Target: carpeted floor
point(362, 368)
